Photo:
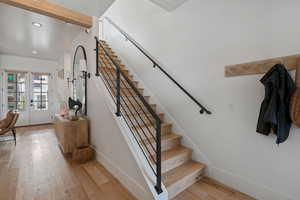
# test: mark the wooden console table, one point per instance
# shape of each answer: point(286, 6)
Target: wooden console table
point(71, 135)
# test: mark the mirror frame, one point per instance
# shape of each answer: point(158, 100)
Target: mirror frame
point(85, 78)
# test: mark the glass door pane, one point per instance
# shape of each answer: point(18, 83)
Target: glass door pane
point(15, 95)
point(16, 88)
point(40, 91)
point(40, 111)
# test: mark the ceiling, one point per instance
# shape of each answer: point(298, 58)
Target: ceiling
point(19, 37)
point(169, 5)
point(88, 7)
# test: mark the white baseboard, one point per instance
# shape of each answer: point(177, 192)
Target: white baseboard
point(259, 192)
point(136, 189)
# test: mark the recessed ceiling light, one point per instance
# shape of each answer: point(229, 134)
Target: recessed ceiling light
point(36, 24)
point(34, 52)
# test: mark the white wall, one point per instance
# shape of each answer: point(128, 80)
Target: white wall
point(105, 135)
point(194, 43)
point(1, 92)
point(28, 64)
point(11, 62)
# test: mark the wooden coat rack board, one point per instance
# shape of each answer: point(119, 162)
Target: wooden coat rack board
point(261, 66)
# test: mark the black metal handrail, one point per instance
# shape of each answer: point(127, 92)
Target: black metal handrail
point(156, 64)
point(114, 79)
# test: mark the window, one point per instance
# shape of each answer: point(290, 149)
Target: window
point(40, 91)
point(16, 97)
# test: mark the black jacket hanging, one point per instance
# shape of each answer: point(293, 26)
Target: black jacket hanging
point(274, 112)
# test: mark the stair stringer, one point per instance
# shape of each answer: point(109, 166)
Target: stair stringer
point(186, 140)
point(138, 155)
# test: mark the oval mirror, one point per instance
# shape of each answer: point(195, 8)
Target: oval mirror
point(79, 78)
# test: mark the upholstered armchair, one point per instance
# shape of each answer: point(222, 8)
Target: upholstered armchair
point(8, 124)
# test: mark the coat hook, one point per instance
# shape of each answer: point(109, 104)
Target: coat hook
point(283, 62)
point(261, 66)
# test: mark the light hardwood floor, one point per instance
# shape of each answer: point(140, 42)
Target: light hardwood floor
point(208, 189)
point(35, 169)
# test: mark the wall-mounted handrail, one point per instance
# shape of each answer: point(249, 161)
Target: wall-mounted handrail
point(156, 64)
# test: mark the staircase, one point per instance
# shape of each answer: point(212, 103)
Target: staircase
point(178, 169)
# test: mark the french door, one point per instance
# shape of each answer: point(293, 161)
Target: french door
point(29, 94)
point(15, 95)
point(40, 111)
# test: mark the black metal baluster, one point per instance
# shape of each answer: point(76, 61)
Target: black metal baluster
point(97, 57)
point(158, 157)
point(118, 93)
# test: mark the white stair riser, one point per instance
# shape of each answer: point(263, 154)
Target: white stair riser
point(114, 71)
point(183, 184)
point(164, 130)
point(165, 145)
point(111, 76)
point(141, 119)
point(176, 161)
point(135, 108)
point(147, 98)
point(123, 84)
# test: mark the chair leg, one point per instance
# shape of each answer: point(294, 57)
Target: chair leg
point(14, 133)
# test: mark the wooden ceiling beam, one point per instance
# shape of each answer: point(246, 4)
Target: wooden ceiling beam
point(49, 9)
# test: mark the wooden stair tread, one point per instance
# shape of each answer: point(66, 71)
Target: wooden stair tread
point(113, 76)
point(166, 155)
point(110, 66)
point(164, 138)
point(142, 114)
point(150, 125)
point(123, 86)
point(106, 68)
point(143, 96)
point(130, 90)
point(142, 105)
point(170, 136)
point(178, 173)
point(133, 99)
